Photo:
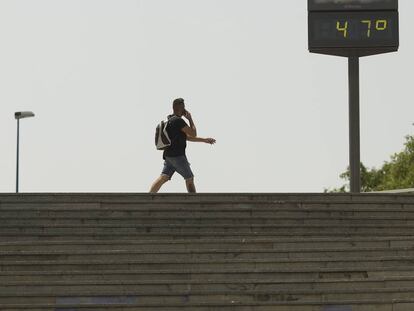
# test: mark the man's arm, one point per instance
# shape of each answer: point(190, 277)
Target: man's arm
point(189, 131)
point(189, 117)
point(210, 141)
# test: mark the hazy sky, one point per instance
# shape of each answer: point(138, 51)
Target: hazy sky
point(100, 74)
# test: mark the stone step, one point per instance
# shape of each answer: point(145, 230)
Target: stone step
point(113, 304)
point(208, 207)
point(281, 274)
point(205, 254)
point(186, 297)
point(109, 236)
point(157, 264)
point(150, 220)
point(221, 229)
point(179, 245)
point(100, 214)
point(225, 226)
point(29, 287)
point(200, 197)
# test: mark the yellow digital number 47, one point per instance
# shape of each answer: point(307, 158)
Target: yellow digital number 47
point(344, 28)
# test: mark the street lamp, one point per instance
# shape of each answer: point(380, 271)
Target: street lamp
point(18, 116)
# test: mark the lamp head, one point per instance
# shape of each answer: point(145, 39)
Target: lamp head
point(23, 114)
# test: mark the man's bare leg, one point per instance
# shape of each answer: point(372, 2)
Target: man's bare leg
point(156, 186)
point(190, 185)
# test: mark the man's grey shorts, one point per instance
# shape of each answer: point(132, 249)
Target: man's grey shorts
point(177, 164)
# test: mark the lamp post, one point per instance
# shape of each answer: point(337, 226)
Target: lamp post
point(18, 116)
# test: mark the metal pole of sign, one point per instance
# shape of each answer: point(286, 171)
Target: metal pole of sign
point(17, 156)
point(354, 125)
point(20, 115)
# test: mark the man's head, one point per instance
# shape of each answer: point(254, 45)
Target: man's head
point(179, 107)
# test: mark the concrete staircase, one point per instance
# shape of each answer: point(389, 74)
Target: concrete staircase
point(243, 252)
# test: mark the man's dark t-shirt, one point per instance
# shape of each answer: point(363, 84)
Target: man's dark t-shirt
point(177, 136)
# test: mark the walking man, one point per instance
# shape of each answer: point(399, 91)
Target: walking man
point(175, 159)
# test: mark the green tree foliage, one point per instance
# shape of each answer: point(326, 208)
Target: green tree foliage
point(398, 173)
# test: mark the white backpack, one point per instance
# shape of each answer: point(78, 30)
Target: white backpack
point(162, 139)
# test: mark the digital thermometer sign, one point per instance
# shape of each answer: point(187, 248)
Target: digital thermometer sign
point(359, 29)
point(353, 27)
